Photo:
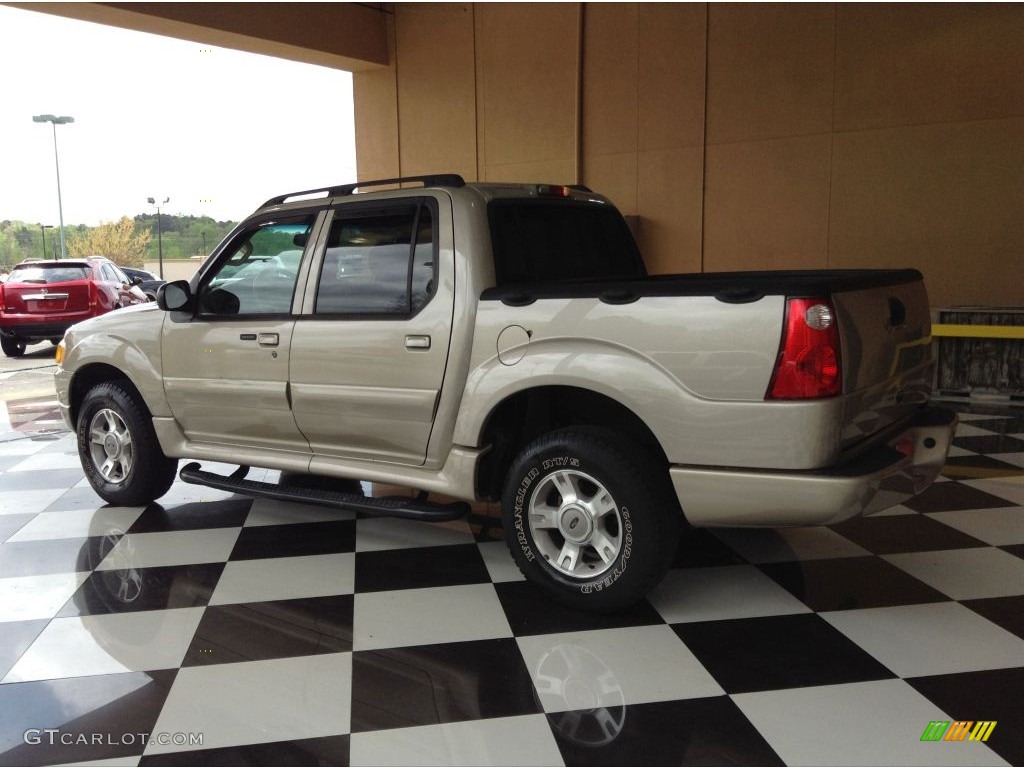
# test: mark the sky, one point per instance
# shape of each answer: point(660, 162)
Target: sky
point(216, 130)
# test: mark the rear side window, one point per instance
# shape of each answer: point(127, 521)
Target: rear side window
point(378, 263)
point(47, 273)
point(542, 241)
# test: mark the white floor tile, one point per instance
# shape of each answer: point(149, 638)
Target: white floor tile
point(499, 562)
point(787, 544)
point(28, 502)
point(726, 592)
point(1010, 458)
point(20, 447)
point(423, 616)
point(1009, 488)
point(933, 639)
point(48, 460)
point(965, 574)
point(114, 762)
point(999, 526)
point(379, 533)
point(145, 550)
point(524, 740)
point(256, 702)
point(614, 667)
point(969, 430)
point(37, 597)
point(78, 523)
point(108, 643)
point(284, 578)
point(955, 451)
point(273, 512)
point(875, 723)
point(899, 509)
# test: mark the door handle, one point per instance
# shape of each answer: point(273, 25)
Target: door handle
point(417, 342)
point(267, 339)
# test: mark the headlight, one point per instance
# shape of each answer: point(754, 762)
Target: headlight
point(59, 354)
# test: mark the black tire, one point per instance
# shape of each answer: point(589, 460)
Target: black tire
point(55, 342)
point(149, 472)
point(11, 346)
point(644, 518)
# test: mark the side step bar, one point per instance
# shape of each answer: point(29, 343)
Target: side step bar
point(386, 506)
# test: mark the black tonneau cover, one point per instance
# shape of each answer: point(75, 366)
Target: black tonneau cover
point(731, 287)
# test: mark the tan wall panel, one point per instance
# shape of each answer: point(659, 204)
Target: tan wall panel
point(947, 199)
point(375, 101)
point(668, 198)
point(610, 78)
point(543, 171)
point(671, 75)
point(614, 176)
point(527, 81)
point(906, 64)
point(766, 205)
point(770, 70)
point(436, 88)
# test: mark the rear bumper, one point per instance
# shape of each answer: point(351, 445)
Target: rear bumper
point(30, 329)
point(874, 481)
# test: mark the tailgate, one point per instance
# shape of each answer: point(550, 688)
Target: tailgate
point(51, 298)
point(885, 333)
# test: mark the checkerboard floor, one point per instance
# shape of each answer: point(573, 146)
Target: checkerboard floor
point(293, 635)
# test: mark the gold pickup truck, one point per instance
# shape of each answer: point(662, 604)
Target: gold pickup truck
point(504, 341)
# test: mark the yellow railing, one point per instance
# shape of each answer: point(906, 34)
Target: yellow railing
point(947, 330)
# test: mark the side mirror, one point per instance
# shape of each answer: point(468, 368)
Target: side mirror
point(174, 297)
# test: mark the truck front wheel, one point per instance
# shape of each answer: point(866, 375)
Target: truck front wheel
point(118, 447)
point(590, 518)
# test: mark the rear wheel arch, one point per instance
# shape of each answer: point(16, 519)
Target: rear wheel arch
point(530, 413)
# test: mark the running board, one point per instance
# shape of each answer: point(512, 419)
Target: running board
point(386, 506)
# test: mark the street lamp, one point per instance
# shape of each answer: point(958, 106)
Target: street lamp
point(55, 121)
point(43, 228)
point(159, 236)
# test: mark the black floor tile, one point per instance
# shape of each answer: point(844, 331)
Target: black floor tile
point(905, 533)
point(144, 589)
point(15, 638)
point(39, 480)
point(990, 443)
point(295, 540)
point(115, 706)
point(11, 524)
point(699, 548)
point(486, 527)
point(274, 629)
point(850, 582)
point(531, 612)
point(416, 567)
point(1015, 549)
point(226, 513)
point(34, 558)
point(1010, 426)
point(947, 497)
point(709, 731)
point(776, 652)
point(428, 684)
point(990, 695)
point(325, 751)
point(1007, 612)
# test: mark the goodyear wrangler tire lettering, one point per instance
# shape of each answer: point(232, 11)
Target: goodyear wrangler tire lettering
point(589, 518)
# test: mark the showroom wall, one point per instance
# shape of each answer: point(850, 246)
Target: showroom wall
point(742, 136)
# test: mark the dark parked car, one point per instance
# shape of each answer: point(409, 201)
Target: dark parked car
point(150, 282)
point(42, 299)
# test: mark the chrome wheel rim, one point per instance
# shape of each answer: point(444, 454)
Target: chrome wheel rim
point(575, 524)
point(110, 446)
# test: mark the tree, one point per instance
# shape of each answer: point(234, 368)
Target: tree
point(118, 241)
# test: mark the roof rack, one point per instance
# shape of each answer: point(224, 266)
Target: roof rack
point(436, 180)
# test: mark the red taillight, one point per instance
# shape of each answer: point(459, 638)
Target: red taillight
point(552, 190)
point(808, 365)
point(94, 295)
point(1, 298)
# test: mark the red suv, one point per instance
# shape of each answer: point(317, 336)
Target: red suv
point(42, 299)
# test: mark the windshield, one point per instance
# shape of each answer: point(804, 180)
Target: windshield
point(48, 273)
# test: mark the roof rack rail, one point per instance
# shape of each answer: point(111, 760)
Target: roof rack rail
point(434, 180)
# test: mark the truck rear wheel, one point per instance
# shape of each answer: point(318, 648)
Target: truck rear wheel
point(590, 518)
point(118, 447)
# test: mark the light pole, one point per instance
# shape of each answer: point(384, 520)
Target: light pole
point(55, 121)
point(43, 228)
point(159, 234)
